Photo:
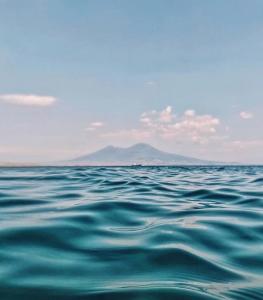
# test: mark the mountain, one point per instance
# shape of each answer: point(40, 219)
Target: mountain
point(139, 154)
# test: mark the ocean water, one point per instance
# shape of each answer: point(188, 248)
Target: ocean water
point(131, 233)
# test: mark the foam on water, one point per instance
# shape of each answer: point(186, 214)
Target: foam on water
point(131, 233)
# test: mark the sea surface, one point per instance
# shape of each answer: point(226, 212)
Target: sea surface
point(131, 233)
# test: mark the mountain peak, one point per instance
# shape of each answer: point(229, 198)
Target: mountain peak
point(141, 146)
point(140, 153)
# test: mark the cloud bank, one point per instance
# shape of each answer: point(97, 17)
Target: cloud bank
point(28, 100)
point(165, 124)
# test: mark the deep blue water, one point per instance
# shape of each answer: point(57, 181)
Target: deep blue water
point(131, 233)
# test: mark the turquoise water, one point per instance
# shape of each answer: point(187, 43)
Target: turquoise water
point(131, 233)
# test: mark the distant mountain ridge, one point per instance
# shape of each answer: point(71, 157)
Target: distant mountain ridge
point(138, 154)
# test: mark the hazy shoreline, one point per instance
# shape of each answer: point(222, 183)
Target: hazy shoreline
point(120, 166)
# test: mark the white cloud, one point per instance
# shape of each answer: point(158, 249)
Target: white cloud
point(198, 128)
point(90, 128)
point(189, 127)
point(154, 117)
point(166, 115)
point(28, 99)
point(246, 115)
point(189, 113)
point(95, 125)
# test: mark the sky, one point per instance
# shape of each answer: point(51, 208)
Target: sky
point(183, 76)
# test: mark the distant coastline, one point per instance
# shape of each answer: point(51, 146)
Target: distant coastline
point(137, 155)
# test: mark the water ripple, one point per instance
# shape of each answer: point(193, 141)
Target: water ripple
point(133, 233)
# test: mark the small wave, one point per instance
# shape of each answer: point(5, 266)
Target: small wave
point(133, 233)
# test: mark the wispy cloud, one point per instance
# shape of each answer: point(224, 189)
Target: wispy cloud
point(94, 125)
point(28, 99)
point(245, 144)
point(150, 82)
point(246, 115)
point(97, 124)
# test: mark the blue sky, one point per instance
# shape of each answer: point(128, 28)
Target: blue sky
point(185, 76)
